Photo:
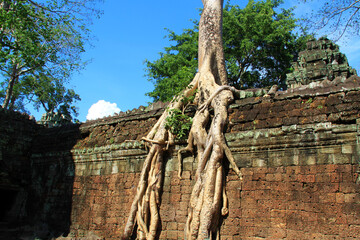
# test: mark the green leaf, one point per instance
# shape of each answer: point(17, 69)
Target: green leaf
point(42, 45)
point(260, 42)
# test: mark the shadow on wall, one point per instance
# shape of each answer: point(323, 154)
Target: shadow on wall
point(36, 178)
point(50, 197)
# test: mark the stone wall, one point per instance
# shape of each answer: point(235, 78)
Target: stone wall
point(16, 135)
point(298, 153)
point(320, 60)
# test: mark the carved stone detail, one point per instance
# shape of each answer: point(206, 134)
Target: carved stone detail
point(321, 60)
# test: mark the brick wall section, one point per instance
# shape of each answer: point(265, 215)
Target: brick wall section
point(16, 134)
point(115, 130)
point(101, 204)
point(298, 153)
point(305, 106)
point(295, 202)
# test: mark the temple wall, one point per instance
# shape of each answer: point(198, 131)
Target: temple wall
point(298, 152)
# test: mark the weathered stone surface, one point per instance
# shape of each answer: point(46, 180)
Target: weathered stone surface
point(298, 152)
point(321, 60)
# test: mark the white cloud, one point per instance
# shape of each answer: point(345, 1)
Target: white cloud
point(102, 109)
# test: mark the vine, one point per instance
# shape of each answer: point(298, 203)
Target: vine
point(179, 124)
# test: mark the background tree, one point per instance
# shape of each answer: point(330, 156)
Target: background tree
point(340, 17)
point(40, 39)
point(260, 42)
point(174, 69)
point(51, 95)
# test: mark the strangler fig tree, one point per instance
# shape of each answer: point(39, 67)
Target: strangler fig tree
point(206, 140)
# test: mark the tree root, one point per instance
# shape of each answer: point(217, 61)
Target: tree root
point(208, 201)
point(161, 142)
point(208, 196)
point(145, 207)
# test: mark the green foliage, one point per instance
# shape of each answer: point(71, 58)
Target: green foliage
point(310, 100)
point(178, 124)
point(259, 44)
point(52, 95)
point(175, 68)
point(41, 46)
point(188, 100)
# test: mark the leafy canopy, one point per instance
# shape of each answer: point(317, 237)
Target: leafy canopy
point(260, 42)
point(175, 68)
point(41, 46)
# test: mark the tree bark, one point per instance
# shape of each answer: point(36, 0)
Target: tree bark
point(208, 199)
point(9, 91)
point(210, 40)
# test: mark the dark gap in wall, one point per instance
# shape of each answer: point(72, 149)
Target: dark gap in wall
point(343, 121)
point(7, 200)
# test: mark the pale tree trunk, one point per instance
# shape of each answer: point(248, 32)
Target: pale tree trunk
point(210, 40)
point(208, 199)
point(9, 90)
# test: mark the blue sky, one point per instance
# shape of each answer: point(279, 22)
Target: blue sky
point(127, 34)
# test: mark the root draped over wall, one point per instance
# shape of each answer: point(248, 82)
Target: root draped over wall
point(208, 199)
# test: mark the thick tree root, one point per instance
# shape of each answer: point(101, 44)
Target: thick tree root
point(208, 195)
point(145, 207)
point(208, 200)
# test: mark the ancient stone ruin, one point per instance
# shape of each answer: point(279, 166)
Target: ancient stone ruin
point(321, 60)
point(298, 152)
point(54, 119)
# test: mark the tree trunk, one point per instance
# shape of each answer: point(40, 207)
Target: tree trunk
point(208, 199)
point(9, 91)
point(210, 40)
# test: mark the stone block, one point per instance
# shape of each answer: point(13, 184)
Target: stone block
point(340, 158)
point(259, 163)
point(322, 178)
point(175, 198)
point(242, 161)
point(353, 219)
point(171, 226)
point(175, 189)
point(322, 159)
point(172, 234)
point(277, 233)
point(278, 216)
point(307, 160)
point(327, 198)
point(262, 194)
point(352, 198)
point(248, 203)
point(246, 232)
point(347, 149)
point(247, 222)
point(114, 169)
point(261, 232)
